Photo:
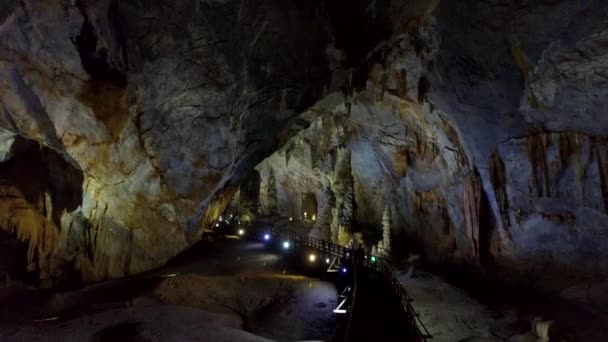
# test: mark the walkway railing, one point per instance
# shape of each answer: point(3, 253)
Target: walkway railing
point(343, 253)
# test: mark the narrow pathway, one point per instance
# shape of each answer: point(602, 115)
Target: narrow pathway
point(378, 314)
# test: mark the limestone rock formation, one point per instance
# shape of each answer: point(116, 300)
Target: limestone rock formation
point(163, 107)
point(343, 188)
point(483, 123)
point(385, 244)
point(271, 194)
point(323, 224)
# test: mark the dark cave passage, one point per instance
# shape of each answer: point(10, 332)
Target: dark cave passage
point(13, 261)
point(249, 197)
point(309, 206)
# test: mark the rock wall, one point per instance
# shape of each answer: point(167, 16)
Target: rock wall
point(527, 91)
point(482, 127)
point(163, 107)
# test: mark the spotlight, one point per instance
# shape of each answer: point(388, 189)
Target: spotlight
point(286, 244)
point(266, 237)
point(344, 270)
point(312, 258)
point(241, 231)
point(327, 261)
point(217, 224)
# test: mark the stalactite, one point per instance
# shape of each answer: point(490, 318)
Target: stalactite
point(602, 164)
point(401, 160)
point(472, 202)
point(570, 151)
point(537, 147)
point(48, 206)
point(499, 184)
point(426, 201)
point(29, 225)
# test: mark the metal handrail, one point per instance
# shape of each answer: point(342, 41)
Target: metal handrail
point(418, 328)
point(415, 321)
point(352, 305)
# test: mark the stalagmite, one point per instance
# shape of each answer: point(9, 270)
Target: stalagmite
point(386, 233)
point(343, 189)
point(271, 194)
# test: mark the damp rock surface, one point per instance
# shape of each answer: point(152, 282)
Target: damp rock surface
point(481, 126)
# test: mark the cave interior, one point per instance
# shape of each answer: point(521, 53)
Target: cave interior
point(464, 142)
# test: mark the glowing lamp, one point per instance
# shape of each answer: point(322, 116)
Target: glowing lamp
point(266, 237)
point(373, 258)
point(344, 270)
point(327, 261)
point(286, 244)
point(290, 219)
point(241, 231)
point(312, 258)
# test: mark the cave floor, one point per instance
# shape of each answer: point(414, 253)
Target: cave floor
point(453, 313)
point(239, 290)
